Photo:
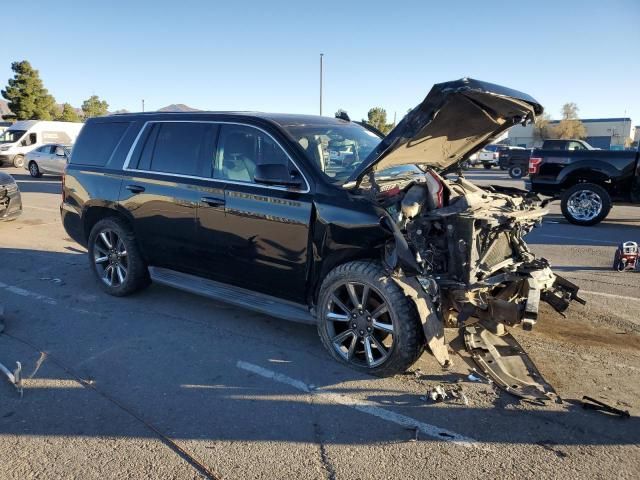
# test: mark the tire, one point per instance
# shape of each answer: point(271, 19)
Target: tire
point(34, 171)
point(516, 172)
point(487, 166)
point(595, 209)
point(136, 274)
point(18, 161)
point(398, 329)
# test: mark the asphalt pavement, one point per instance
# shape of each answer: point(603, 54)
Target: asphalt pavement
point(164, 384)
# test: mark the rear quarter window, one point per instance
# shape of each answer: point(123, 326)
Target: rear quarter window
point(96, 143)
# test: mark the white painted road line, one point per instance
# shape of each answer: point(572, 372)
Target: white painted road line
point(364, 406)
point(610, 295)
point(580, 239)
point(26, 293)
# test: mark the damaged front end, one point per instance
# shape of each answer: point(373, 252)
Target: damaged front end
point(458, 252)
point(457, 249)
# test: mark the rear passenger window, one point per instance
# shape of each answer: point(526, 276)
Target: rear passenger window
point(183, 148)
point(241, 148)
point(96, 143)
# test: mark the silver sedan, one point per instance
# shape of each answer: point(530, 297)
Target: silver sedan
point(50, 158)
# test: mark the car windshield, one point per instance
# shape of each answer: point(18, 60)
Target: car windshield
point(11, 136)
point(335, 148)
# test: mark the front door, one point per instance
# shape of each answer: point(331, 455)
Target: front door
point(265, 232)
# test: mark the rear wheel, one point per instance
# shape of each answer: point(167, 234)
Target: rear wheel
point(34, 171)
point(516, 172)
point(585, 204)
point(18, 161)
point(366, 321)
point(115, 258)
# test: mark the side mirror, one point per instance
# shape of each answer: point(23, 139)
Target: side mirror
point(276, 174)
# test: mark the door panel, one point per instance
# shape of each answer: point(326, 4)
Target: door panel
point(267, 234)
point(266, 229)
point(164, 191)
point(164, 211)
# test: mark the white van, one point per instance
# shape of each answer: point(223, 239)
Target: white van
point(26, 135)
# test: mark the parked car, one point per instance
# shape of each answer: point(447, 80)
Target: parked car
point(515, 160)
point(587, 181)
point(239, 207)
point(50, 158)
point(488, 156)
point(26, 135)
point(10, 199)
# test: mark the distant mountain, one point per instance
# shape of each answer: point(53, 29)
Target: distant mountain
point(178, 107)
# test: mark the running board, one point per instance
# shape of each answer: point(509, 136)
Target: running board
point(240, 297)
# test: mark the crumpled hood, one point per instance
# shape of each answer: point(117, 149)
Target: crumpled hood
point(455, 120)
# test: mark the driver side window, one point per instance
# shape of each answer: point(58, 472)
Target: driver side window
point(241, 148)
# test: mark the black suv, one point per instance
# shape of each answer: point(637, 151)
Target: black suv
point(374, 244)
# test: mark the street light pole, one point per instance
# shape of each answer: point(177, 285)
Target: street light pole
point(143, 104)
point(321, 55)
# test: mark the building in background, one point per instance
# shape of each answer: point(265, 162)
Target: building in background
point(606, 133)
point(4, 126)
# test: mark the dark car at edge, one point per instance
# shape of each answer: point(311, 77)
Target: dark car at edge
point(587, 181)
point(375, 246)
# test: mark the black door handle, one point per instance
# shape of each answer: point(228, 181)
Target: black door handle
point(213, 201)
point(135, 188)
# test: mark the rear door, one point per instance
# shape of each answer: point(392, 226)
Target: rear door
point(265, 232)
point(166, 172)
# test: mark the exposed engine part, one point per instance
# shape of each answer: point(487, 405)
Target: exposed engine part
point(414, 200)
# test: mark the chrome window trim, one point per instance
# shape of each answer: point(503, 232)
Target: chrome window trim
point(146, 124)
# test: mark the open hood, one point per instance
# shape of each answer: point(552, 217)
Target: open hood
point(454, 120)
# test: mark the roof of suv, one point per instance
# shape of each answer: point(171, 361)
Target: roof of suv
point(283, 119)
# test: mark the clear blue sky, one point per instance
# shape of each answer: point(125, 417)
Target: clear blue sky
point(263, 55)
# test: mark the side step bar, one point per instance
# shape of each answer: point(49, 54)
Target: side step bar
point(222, 292)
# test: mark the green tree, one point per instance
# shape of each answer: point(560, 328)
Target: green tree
point(94, 107)
point(541, 127)
point(377, 118)
point(68, 114)
point(570, 126)
point(27, 98)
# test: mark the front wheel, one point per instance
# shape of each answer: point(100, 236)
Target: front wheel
point(366, 321)
point(516, 172)
point(34, 171)
point(585, 204)
point(18, 161)
point(115, 258)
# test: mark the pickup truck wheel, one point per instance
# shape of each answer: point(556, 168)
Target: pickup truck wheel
point(115, 258)
point(516, 172)
point(18, 161)
point(366, 321)
point(585, 204)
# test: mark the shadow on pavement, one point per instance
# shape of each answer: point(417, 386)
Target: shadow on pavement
point(171, 359)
